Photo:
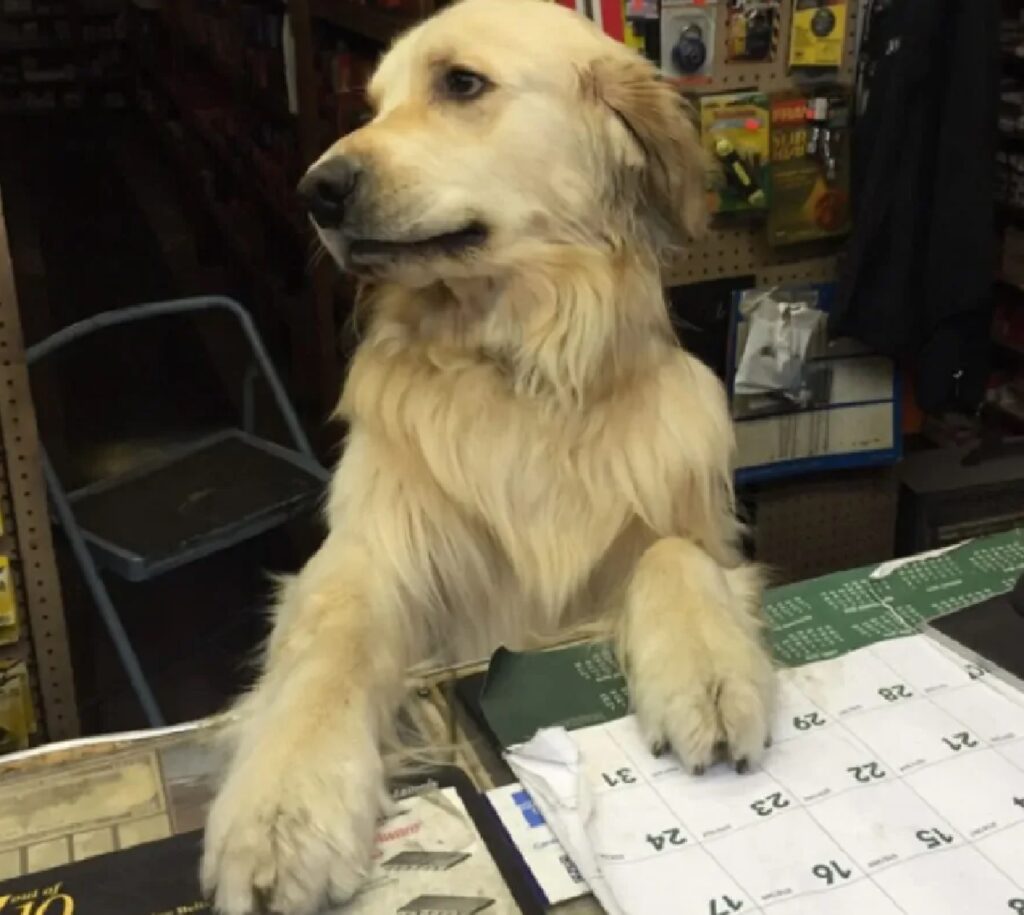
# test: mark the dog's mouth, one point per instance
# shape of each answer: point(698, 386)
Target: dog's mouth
point(447, 244)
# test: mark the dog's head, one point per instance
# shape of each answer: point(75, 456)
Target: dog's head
point(502, 127)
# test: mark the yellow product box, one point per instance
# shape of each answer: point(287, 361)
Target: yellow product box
point(818, 33)
point(8, 607)
point(17, 716)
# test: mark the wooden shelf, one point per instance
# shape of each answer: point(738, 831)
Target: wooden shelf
point(1010, 214)
point(1009, 346)
point(1007, 412)
point(94, 11)
point(1011, 290)
point(49, 82)
point(34, 16)
point(264, 101)
point(210, 61)
point(242, 257)
point(78, 81)
point(1013, 63)
point(1013, 142)
point(377, 25)
point(100, 12)
point(21, 45)
point(251, 180)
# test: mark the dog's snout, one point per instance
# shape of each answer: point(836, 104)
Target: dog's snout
point(326, 190)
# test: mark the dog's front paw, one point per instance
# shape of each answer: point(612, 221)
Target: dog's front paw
point(291, 838)
point(701, 679)
point(707, 707)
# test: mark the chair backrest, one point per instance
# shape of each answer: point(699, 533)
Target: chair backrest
point(135, 313)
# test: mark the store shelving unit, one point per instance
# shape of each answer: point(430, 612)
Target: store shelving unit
point(35, 661)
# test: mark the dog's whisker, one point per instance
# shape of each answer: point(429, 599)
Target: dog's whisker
point(316, 255)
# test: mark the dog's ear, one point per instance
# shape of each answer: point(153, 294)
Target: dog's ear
point(659, 140)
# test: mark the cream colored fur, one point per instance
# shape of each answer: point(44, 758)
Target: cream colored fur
point(529, 446)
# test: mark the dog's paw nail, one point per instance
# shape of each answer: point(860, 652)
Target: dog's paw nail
point(659, 748)
point(768, 741)
point(698, 770)
point(742, 765)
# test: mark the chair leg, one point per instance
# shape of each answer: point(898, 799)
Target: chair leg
point(122, 644)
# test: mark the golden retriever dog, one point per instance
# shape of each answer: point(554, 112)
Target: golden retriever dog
point(529, 446)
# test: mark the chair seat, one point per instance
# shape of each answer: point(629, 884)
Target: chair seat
point(217, 492)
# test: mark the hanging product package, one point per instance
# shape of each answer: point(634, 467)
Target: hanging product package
point(17, 715)
point(735, 132)
point(688, 40)
point(818, 33)
point(751, 30)
point(781, 325)
point(643, 28)
point(809, 172)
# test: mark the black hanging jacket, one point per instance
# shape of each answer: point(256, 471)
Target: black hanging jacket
point(920, 264)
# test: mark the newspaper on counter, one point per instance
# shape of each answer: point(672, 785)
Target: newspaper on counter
point(430, 858)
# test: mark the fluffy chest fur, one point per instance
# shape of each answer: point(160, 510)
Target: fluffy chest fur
point(520, 493)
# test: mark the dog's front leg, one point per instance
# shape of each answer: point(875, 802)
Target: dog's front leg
point(700, 678)
point(292, 827)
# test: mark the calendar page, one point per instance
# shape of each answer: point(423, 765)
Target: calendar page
point(895, 784)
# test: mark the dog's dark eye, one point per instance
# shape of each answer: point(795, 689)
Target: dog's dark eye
point(459, 83)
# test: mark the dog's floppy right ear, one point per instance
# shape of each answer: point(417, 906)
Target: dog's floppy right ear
point(667, 155)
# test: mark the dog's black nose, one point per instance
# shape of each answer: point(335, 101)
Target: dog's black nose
point(326, 189)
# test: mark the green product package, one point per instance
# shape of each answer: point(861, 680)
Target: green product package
point(806, 203)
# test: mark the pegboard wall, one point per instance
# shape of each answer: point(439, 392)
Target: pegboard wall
point(41, 644)
point(741, 248)
point(813, 526)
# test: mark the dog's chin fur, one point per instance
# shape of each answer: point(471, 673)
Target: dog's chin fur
point(529, 450)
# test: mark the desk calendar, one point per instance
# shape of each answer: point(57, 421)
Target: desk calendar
point(895, 786)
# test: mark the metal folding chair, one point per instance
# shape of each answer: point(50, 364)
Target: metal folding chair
point(193, 501)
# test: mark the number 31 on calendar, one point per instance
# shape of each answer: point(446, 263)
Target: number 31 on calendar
point(623, 776)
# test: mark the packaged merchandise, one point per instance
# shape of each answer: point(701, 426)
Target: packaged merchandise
point(818, 33)
point(809, 175)
point(735, 131)
point(688, 39)
point(752, 30)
